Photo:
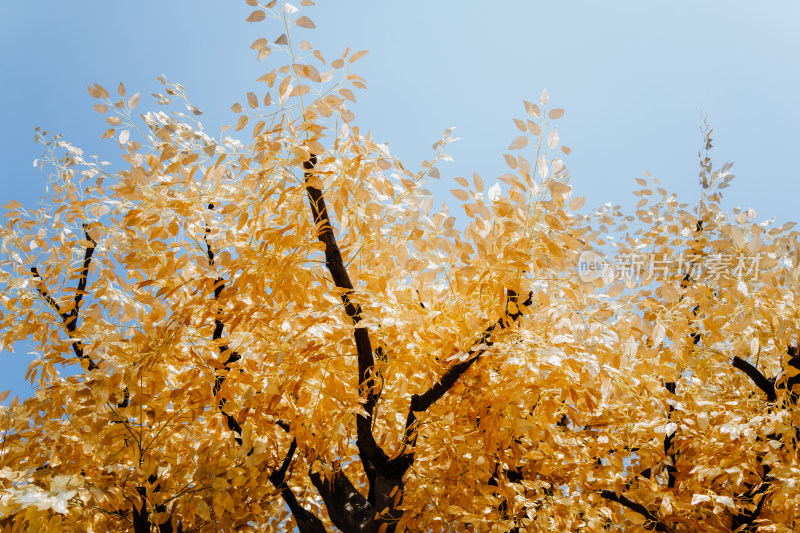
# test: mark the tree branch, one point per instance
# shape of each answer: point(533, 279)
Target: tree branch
point(307, 522)
point(141, 516)
point(766, 385)
point(219, 286)
point(668, 439)
point(421, 402)
point(166, 527)
point(70, 318)
point(372, 456)
point(347, 508)
point(794, 362)
point(653, 521)
point(232, 355)
point(278, 477)
point(141, 521)
point(746, 519)
point(84, 275)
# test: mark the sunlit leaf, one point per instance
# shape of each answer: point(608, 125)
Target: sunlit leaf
point(577, 203)
point(544, 98)
point(532, 109)
point(461, 194)
point(518, 143)
point(478, 182)
point(552, 139)
point(256, 16)
point(358, 55)
point(305, 22)
point(252, 100)
point(133, 101)
point(287, 327)
point(347, 93)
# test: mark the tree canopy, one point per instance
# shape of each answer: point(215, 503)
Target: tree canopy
point(288, 331)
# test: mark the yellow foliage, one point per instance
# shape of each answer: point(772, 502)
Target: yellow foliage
point(290, 331)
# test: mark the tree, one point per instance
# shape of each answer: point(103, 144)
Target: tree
point(285, 333)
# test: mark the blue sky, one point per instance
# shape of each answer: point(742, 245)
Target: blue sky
point(634, 78)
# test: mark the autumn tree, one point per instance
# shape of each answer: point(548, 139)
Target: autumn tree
point(289, 332)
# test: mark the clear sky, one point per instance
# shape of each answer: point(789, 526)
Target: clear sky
point(634, 78)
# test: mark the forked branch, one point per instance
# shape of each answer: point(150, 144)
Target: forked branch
point(421, 402)
point(347, 508)
point(653, 521)
point(70, 318)
point(307, 522)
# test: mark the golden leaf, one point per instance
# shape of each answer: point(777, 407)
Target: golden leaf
point(347, 93)
point(358, 55)
point(461, 194)
point(269, 78)
point(577, 203)
point(99, 92)
point(478, 182)
point(133, 101)
point(256, 16)
point(305, 22)
point(518, 143)
point(300, 90)
point(252, 100)
point(532, 109)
